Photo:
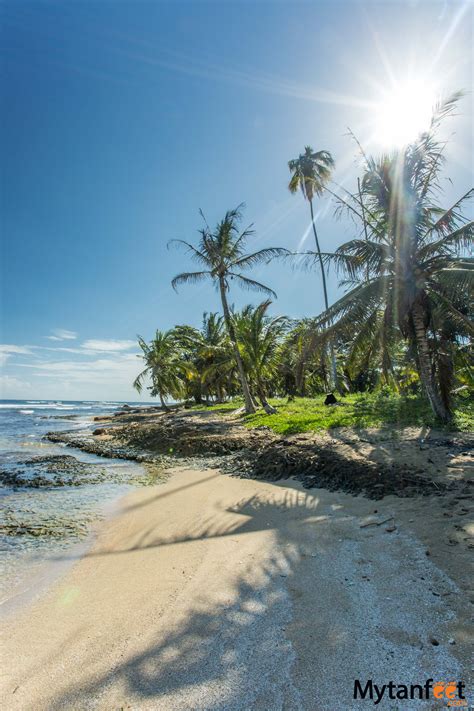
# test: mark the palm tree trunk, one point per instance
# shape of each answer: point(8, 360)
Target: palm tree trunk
point(300, 379)
point(163, 403)
point(249, 404)
point(326, 302)
point(269, 409)
point(424, 364)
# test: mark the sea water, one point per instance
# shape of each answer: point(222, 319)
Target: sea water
point(67, 511)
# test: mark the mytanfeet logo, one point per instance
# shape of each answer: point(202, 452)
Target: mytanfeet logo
point(451, 692)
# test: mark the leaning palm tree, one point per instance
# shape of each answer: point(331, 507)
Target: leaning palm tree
point(261, 337)
point(162, 366)
point(421, 283)
point(310, 172)
point(221, 253)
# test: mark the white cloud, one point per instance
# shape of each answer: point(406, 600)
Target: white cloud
point(62, 334)
point(109, 346)
point(97, 369)
point(13, 388)
point(116, 367)
point(7, 350)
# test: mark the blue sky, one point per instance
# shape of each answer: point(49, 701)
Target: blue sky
point(121, 120)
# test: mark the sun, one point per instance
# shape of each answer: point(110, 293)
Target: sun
point(402, 113)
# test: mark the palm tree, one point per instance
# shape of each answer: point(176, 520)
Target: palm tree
point(209, 356)
point(420, 285)
point(303, 357)
point(221, 253)
point(162, 366)
point(310, 172)
point(261, 338)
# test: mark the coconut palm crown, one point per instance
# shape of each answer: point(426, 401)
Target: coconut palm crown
point(310, 172)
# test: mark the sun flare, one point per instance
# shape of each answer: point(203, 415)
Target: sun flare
point(403, 113)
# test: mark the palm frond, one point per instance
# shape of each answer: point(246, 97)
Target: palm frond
point(195, 253)
point(459, 239)
point(263, 255)
point(252, 285)
point(445, 108)
point(450, 218)
point(138, 382)
point(189, 278)
point(450, 311)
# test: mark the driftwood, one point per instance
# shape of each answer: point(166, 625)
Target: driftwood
point(376, 523)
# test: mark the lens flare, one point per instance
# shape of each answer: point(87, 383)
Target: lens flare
point(403, 113)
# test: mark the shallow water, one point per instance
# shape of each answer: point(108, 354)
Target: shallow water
point(39, 524)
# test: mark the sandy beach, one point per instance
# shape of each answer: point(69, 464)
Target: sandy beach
point(213, 592)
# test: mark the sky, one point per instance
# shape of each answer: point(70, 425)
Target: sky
point(121, 120)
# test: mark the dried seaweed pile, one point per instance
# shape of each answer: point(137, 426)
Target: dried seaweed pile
point(321, 466)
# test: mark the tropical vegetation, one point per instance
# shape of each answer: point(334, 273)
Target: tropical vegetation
point(403, 327)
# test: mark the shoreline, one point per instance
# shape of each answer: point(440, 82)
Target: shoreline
point(33, 565)
point(443, 463)
point(50, 568)
point(227, 586)
point(200, 567)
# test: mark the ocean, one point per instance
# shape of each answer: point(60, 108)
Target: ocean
point(51, 495)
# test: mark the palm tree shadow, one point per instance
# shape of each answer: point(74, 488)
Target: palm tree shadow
point(390, 446)
point(229, 649)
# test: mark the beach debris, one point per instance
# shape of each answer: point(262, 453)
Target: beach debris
point(191, 438)
point(375, 522)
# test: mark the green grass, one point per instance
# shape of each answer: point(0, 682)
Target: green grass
point(229, 406)
point(359, 411)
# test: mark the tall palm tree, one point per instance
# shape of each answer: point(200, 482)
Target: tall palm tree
point(261, 338)
point(310, 172)
point(420, 284)
point(221, 253)
point(162, 366)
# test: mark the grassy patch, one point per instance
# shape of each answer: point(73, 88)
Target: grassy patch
point(359, 410)
point(229, 406)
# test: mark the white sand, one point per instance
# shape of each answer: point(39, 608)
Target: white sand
point(214, 593)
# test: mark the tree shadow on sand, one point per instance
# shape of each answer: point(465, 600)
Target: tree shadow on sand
point(230, 654)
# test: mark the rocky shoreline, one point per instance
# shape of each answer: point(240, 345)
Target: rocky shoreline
point(370, 463)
